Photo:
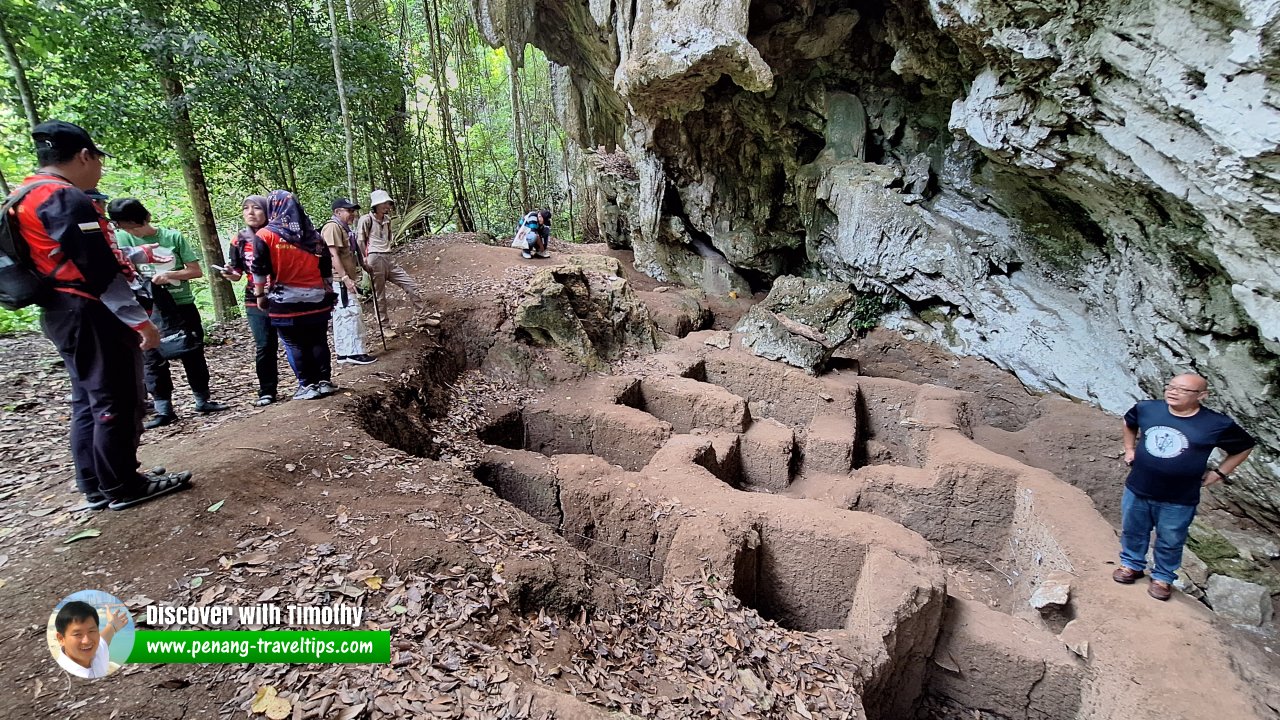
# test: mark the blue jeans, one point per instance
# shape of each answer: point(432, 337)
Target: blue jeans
point(266, 347)
point(306, 346)
point(1170, 521)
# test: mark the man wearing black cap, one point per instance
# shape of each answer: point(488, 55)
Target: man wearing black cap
point(348, 326)
point(92, 317)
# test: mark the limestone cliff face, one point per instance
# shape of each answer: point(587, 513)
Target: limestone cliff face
point(1085, 192)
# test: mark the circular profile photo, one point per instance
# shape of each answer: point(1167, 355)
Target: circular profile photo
point(90, 634)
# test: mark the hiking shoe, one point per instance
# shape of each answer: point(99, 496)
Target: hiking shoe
point(326, 388)
point(160, 421)
point(1126, 576)
point(307, 392)
point(361, 359)
point(205, 405)
point(525, 254)
point(544, 254)
point(1160, 590)
point(154, 486)
point(264, 400)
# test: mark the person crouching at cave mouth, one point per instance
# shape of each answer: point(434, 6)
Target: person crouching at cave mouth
point(266, 340)
point(175, 304)
point(292, 282)
point(532, 234)
point(1167, 444)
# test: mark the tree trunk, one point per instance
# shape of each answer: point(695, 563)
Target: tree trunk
point(564, 149)
point(224, 299)
point(4, 185)
point(368, 162)
point(457, 180)
point(288, 162)
point(517, 129)
point(20, 77)
point(281, 178)
point(342, 102)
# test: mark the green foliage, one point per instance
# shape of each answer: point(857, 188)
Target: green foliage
point(259, 87)
point(869, 309)
point(24, 320)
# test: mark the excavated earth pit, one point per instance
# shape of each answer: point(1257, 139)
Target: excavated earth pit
point(858, 508)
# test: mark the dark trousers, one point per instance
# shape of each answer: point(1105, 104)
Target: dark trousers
point(105, 364)
point(306, 345)
point(266, 347)
point(156, 367)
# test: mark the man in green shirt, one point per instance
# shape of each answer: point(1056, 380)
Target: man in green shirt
point(134, 229)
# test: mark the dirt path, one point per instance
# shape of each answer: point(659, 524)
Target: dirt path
point(492, 613)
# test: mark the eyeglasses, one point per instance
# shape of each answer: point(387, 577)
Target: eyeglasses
point(1180, 389)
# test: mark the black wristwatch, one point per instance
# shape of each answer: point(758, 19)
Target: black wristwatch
point(1226, 479)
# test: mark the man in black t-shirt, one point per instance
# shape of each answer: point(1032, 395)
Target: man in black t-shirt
point(1167, 444)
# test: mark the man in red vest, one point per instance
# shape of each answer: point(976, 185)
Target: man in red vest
point(92, 317)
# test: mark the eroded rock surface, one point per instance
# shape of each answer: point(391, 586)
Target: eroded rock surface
point(587, 309)
point(1084, 193)
point(1238, 600)
point(801, 322)
point(862, 510)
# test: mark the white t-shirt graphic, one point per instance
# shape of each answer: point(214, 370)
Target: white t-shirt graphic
point(98, 668)
point(1165, 442)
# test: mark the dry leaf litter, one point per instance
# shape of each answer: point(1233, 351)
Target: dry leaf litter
point(457, 650)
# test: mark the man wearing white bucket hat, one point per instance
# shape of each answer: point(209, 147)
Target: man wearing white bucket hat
point(374, 236)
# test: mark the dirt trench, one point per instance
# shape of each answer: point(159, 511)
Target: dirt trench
point(873, 516)
point(852, 507)
point(875, 512)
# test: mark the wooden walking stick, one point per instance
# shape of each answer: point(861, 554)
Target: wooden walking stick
point(377, 313)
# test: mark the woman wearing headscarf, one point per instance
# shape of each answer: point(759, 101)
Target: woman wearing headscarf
point(265, 339)
point(292, 282)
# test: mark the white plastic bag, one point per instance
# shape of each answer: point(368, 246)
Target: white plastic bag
point(519, 240)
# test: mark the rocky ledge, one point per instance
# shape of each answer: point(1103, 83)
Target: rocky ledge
point(1085, 193)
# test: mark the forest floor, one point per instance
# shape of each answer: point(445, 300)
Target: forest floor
point(297, 502)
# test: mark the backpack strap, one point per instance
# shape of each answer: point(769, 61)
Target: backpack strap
point(21, 191)
point(9, 209)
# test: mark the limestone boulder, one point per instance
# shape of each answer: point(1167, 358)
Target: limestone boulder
point(801, 322)
point(1239, 601)
point(773, 337)
point(585, 308)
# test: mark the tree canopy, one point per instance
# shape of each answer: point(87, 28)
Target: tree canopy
point(248, 92)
